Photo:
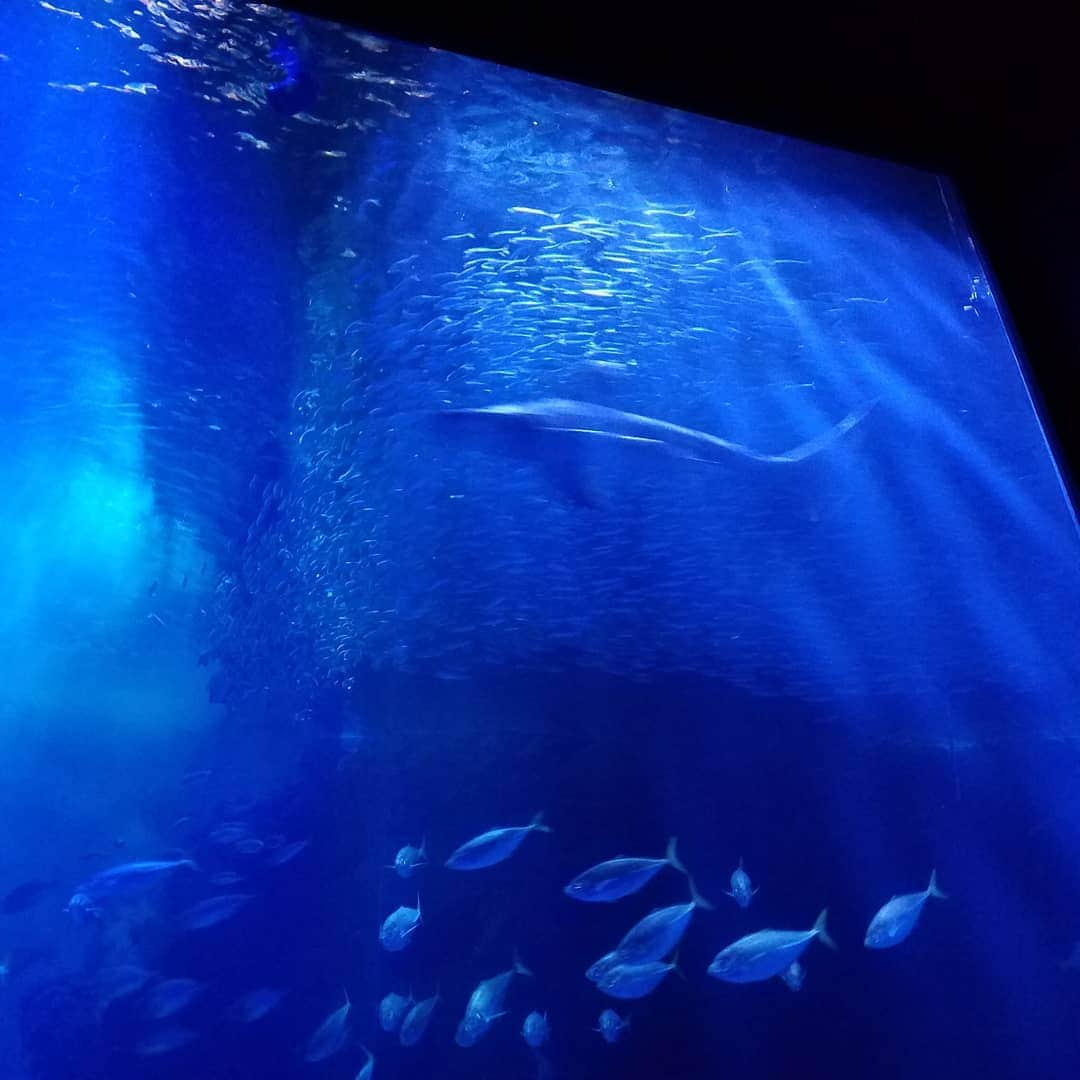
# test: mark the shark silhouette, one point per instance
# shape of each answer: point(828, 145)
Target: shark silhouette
point(553, 433)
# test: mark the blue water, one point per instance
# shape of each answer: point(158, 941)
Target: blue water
point(255, 596)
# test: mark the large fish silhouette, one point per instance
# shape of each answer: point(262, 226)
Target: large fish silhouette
point(554, 433)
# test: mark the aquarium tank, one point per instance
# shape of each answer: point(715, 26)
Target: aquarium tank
point(501, 580)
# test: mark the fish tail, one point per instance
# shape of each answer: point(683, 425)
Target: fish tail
point(819, 929)
point(820, 442)
point(933, 890)
point(538, 822)
point(697, 898)
point(672, 856)
point(675, 965)
point(519, 967)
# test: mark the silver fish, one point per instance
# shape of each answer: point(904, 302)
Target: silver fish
point(329, 1037)
point(793, 977)
point(121, 981)
point(535, 1030)
point(612, 880)
point(897, 918)
point(494, 846)
point(416, 1022)
point(742, 891)
point(214, 910)
point(397, 928)
point(170, 996)
point(486, 1005)
point(164, 1041)
point(612, 1026)
point(410, 859)
point(118, 882)
point(392, 1010)
point(659, 933)
point(634, 980)
point(226, 878)
point(766, 953)
point(256, 1004)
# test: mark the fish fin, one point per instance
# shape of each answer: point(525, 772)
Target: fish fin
point(419, 914)
point(672, 856)
point(819, 929)
point(567, 475)
point(519, 967)
point(697, 898)
point(423, 847)
point(932, 888)
point(740, 862)
point(538, 822)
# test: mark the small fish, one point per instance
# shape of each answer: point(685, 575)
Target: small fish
point(742, 891)
point(164, 1041)
point(256, 1004)
point(410, 859)
point(172, 995)
point(493, 846)
point(898, 917)
point(120, 982)
point(250, 845)
point(396, 930)
point(612, 1026)
point(231, 832)
point(621, 876)
point(392, 1010)
point(26, 896)
point(226, 878)
point(416, 1021)
point(214, 910)
point(634, 980)
point(766, 953)
point(485, 1005)
point(535, 1030)
point(533, 211)
point(658, 211)
point(794, 975)
point(286, 853)
point(197, 776)
point(368, 1068)
point(329, 1037)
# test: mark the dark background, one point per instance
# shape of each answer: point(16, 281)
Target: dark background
point(987, 100)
